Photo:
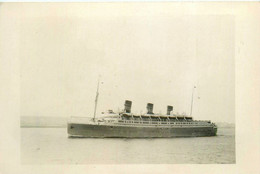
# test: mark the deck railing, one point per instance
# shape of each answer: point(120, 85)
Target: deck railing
point(136, 122)
point(141, 122)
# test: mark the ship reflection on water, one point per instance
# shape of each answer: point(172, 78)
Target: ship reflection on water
point(51, 146)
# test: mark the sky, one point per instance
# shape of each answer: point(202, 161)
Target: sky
point(142, 53)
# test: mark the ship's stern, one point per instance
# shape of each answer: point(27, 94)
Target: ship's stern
point(215, 129)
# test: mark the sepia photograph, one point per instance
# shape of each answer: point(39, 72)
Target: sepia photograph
point(129, 83)
point(126, 88)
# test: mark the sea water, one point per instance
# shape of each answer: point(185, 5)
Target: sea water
point(52, 146)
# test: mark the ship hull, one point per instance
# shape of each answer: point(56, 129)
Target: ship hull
point(117, 131)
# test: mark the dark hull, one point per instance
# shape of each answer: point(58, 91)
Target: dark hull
point(116, 131)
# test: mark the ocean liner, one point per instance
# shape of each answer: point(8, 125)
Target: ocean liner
point(127, 125)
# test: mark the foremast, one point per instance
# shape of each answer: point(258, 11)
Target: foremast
point(96, 100)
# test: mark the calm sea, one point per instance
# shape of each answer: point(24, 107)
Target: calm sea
point(52, 146)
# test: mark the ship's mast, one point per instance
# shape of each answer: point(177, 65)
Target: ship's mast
point(96, 100)
point(192, 100)
point(196, 51)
